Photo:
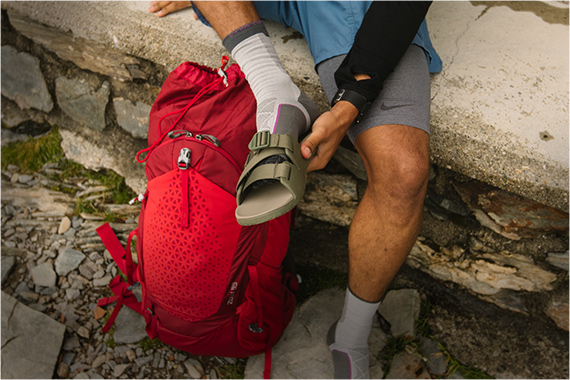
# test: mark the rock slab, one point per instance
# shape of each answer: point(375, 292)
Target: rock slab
point(302, 352)
point(31, 341)
point(30, 90)
point(401, 308)
point(82, 102)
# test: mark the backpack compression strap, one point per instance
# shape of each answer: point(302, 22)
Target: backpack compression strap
point(121, 289)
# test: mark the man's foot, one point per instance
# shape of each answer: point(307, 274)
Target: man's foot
point(162, 8)
point(273, 180)
point(348, 363)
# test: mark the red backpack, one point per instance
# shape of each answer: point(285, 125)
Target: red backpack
point(209, 285)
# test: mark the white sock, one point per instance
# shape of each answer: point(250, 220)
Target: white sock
point(281, 106)
point(349, 344)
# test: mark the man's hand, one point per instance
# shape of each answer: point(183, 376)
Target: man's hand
point(328, 131)
point(162, 8)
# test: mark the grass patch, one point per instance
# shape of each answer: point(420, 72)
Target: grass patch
point(232, 371)
point(393, 347)
point(396, 345)
point(147, 344)
point(31, 156)
point(315, 279)
point(467, 372)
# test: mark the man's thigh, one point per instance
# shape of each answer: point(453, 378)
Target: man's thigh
point(404, 99)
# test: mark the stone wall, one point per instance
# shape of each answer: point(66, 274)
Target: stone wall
point(503, 248)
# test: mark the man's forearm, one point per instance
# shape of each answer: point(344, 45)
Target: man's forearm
point(385, 34)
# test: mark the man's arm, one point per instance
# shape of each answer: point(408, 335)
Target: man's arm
point(386, 32)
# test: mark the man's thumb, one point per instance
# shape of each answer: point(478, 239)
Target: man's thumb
point(307, 148)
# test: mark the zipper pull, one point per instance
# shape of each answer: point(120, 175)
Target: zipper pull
point(213, 139)
point(184, 159)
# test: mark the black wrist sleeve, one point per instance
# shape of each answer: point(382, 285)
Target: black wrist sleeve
point(386, 32)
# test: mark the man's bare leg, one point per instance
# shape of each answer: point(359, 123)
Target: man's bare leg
point(227, 16)
point(389, 216)
point(382, 233)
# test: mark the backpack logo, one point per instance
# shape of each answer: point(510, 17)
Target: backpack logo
point(232, 293)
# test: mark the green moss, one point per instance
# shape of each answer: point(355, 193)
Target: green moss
point(233, 371)
point(31, 155)
point(147, 344)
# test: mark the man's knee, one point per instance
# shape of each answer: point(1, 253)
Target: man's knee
point(404, 177)
point(398, 168)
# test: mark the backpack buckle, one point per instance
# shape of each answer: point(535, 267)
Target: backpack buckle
point(254, 328)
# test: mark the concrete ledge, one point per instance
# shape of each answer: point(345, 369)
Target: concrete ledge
point(500, 106)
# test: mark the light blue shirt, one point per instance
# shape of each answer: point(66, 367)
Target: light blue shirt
point(330, 26)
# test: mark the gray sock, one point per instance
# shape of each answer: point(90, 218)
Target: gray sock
point(348, 338)
point(281, 106)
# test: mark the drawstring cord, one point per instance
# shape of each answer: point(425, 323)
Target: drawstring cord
point(204, 90)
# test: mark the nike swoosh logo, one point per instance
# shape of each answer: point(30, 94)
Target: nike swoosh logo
point(385, 107)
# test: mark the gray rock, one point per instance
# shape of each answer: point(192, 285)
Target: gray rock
point(103, 281)
point(192, 371)
point(25, 178)
point(132, 116)
point(143, 361)
point(330, 198)
point(82, 102)
point(31, 341)
point(436, 360)
point(83, 332)
point(130, 327)
point(401, 308)
point(119, 369)
point(509, 214)
point(407, 366)
point(71, 343)
point(559, 260)
point(63, 370)
point(131, 355)
point(557, 309)
point(68, 260)
point(22, 80)
point(99, 361)
point(8, 263)
point(44, 275)
point(86, 271)
point(302, 352)
point(84, 53)
point(64, 225)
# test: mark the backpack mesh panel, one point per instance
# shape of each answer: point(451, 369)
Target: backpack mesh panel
point(187, 268)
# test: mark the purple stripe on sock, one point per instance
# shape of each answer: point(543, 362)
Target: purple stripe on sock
point(246, 26)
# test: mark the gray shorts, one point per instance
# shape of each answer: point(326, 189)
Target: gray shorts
point(404, 99)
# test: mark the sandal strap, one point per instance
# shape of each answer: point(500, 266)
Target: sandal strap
point(269, 171)
point(264, 139)
point(264, 145)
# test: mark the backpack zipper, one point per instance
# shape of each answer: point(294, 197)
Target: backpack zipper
point(183, 164)
point(204, 139)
